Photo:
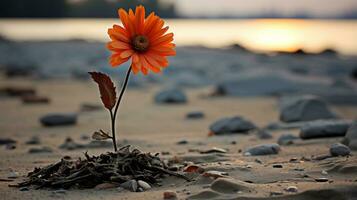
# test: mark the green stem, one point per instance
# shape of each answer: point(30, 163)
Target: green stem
point(113, 115)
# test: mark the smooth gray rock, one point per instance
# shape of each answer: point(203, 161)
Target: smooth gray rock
point(304, 108)
point(324, 128)
point(40, 150)
point(264, 134)
point(264, 149)
point(144, 185)
point(170, 96)
point(231, 125)
point(195, 115)
point(287, 139)
point(58, 119)
point(339, 150)
point(131, 185)
point(351, 136)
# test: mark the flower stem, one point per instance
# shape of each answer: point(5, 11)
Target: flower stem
point(113, 115)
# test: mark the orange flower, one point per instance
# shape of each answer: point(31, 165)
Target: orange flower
point(141, 39)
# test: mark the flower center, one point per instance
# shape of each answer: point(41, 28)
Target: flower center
point(140, 43)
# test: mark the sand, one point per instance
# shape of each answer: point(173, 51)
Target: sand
point(157, 128)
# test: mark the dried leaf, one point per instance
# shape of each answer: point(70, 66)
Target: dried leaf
point(106, 89)
point(194, 169)
point(100, 135)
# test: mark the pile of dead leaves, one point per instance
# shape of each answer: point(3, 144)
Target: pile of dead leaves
point(119, 167)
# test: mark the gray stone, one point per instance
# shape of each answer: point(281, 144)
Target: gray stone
point(264, 134)
point(351, 136)
point(144, 185)
point(324, 128)
point(34, 140)
point(171, 96)
point(291, 189)
point(6, 141)
point(304, 108)
point(195, 115)
point(339, 150)
point(40, 150)
point(264, 149)
point(131, 185)
point(231, 125)
point(58, 119)
point(287, 139)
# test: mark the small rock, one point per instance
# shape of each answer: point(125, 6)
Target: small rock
point(304, 108)
point(86, 107)
point(170, 194)
point(170, 96)
point(13, 175)
point(321, 179)
point(60, 191)
point(131, 185)
point(18, 91)
point(182, 142)
point(277, 166)
point(58, 119)
point(339, 149)
point(323, 172)
point(5, 141)
point(291, 189)
point(195, 115)
point(264, 149)
point(258, 161)
point(23, 189)
point(70, 144)
point(33, 140)
point(276, 193)
point(264, 134)
point(144, 185)
point(33, 99)
point(324, 128)
point(214, 150)
point(10, 146)
point(104, 186)
point(287, 139)
point(231, 125)
point(40, 150)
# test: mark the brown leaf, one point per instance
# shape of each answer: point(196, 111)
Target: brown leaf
point(100, 135)
point(106, 89)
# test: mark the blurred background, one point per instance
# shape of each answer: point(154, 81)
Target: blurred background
point(295, 43)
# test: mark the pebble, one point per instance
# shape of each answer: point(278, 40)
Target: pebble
point(182, 142)
point(214, 150)
point(324, 128)
point(33, 140)
point(195, 115)
point(5, 141)
point(264, 134)
point(287, 139)
point(321, 179)
point(23, 189)
point(34, 99)
point(40, 150)
point(58, 119)
point(13, 175)
point(60, 191)
point(170, 194)
point(291, 189)
point(10, 146)
point(323, 172)
point(170, 96)
point(277, 166)
point(231, 125)
point(144, 185)
point(264, 149)
point(131, 185)
point(304, 108)
point(339, 149)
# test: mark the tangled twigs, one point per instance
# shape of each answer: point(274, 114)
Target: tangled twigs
point(118, 167)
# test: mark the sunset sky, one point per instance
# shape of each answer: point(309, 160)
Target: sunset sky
point(318, 8)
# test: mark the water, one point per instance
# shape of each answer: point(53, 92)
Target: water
point(259, 34)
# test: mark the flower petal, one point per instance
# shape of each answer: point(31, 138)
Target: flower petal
point(126, 53)
point(116, 60)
